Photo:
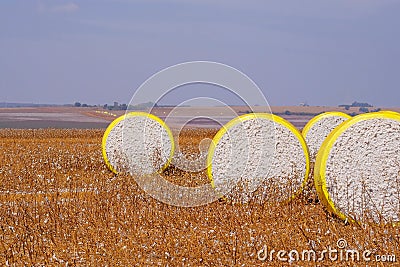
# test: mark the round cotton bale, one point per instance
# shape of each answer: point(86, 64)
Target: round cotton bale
point(139, 143)
point(258, 151)
point(319, 127)
point(358, 167)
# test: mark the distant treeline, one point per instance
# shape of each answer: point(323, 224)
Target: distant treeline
point(356, 104)
point(363, 107)
point(117, 106)
point(142, 106)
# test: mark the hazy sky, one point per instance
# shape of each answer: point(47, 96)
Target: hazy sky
point(99, 51)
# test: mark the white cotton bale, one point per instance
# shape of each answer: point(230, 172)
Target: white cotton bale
point(254, 150)
point(319, 127)
point(357, 171)
point(139, 143)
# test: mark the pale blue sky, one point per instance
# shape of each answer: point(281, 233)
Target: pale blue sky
point(323, 52)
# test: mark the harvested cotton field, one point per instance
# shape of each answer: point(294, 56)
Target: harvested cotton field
point(357, 170)
point(61, 206)
point(319, 127)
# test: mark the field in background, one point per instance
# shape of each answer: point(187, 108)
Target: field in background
point(53, 117)
point(59, 204)
point(94, 118)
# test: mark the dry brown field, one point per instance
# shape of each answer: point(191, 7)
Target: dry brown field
point(61, 206)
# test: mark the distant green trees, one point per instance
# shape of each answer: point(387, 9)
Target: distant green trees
point(116, 106)
point(357, 104)
point(78, 104)
point(363, 107)
point(365, 110)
